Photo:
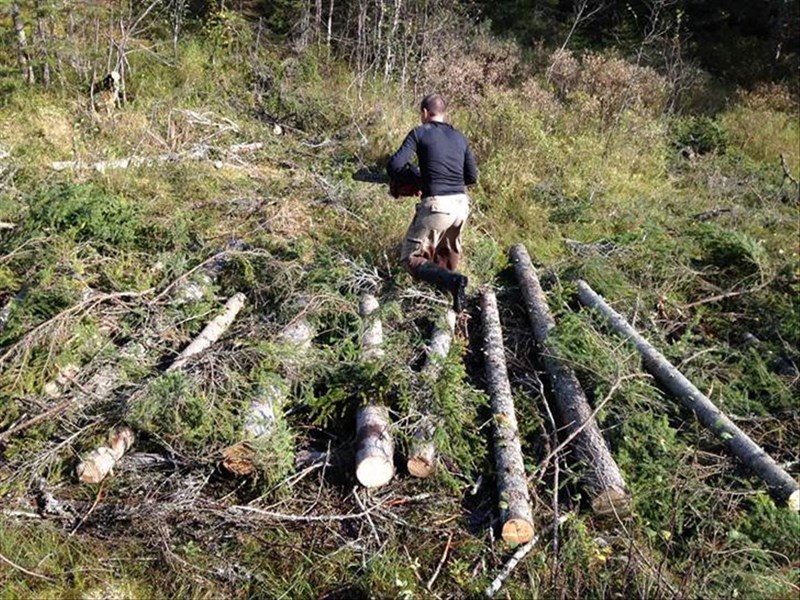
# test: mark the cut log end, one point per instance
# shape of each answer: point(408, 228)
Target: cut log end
point(517, 531)
point(374, 471)
point(612, 502)
point(101, 461)
point(793, 501)
point(421, 466)
point(239, 459)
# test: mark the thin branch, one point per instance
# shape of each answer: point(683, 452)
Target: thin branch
point(521, 553)
point(24, 570)
point(597, 409)
point(431, 581)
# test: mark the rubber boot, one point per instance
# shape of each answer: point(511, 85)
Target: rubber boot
point(454, 283)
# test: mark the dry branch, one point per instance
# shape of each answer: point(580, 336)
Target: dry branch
point(101, 461)
point(780, 483)
point(196, 153)
point(601, 475)
point(211, 332)
point(422, 452)
point(515, 507)
point(521, 553)
point(375, 447)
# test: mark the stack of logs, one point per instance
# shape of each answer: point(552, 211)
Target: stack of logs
point(374, 464)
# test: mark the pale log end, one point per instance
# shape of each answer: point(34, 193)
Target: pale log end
point(374, 471)
point(793, 501)
point(612, 502)
point(420, 466)
point(517, 531)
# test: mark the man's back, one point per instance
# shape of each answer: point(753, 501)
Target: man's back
point(445, 160)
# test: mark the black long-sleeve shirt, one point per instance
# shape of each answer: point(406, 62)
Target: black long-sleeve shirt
point(445, 161)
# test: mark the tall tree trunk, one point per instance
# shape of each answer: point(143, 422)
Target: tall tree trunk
point(330, 26)
point(601, 475)
point(318, 22)
point(512, 485)
point(390, 41)
point(22, 45)
point(780, 483)
point(42, 43)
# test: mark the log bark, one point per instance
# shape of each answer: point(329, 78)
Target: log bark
point(782, 485)
point(375, 446)
point(601, 475)
point(265, 409)
point(211, 332)
point(5, 312)
point(422, 451)
point(100, 462)
point(512, 486)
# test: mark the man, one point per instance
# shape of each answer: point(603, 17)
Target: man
point(432, 246)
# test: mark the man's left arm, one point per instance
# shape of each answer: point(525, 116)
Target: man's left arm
point(401, 158)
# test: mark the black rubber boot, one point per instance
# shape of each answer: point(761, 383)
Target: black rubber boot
point(447, 281)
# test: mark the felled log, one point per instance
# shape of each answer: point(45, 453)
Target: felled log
point(194, 288)
point(512, 486)
point(782, 485)
point(265, 409)
point(5, 312)
point(422, 452)
point(211, 332)
point(601, 475)
point(101, 461)
point(375, 446)
point(262, 415)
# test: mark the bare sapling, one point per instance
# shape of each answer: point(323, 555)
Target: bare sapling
point(422, 451)
point(601, 475)
point(375, 446)
point(782, 485)
point(512, 484)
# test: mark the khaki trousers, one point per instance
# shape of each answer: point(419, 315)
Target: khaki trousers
point(435, 233)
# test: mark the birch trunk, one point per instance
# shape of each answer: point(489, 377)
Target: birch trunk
point(375, 447)
point(211, 332)
point(23, 57)
point(512, 486)
point(780, 483)
point(601, 475)
point(422, 453)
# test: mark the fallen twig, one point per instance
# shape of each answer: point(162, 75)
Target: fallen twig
point(431, 581)
point(521, 553)
point(24, 570)
point(83, 306)
point(56, 410)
